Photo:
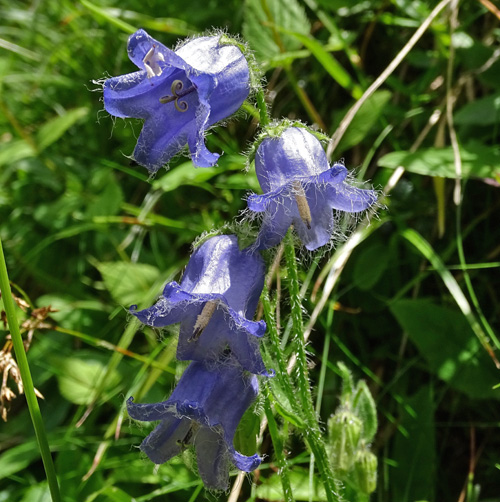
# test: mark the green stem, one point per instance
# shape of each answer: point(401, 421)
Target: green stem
point(278, 449)
point(312, 434)
point(262, 106)
point(29, 391)
point(279, 357)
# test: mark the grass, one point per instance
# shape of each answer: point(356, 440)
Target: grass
point(408, 90)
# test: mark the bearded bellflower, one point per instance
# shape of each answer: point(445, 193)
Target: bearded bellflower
point(300, 188)
point(214, 303)
point(178, 94)
point(204, 410)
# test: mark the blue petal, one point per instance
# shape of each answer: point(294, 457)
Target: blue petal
point(239, 334)
point(321, 219)
point(296, 154)
point(351, 199)
point(165, 442)
point(149, 412)
point(277, 220)
point(220, 75)
point(212, 459)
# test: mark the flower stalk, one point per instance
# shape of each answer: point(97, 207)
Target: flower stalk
point(29, 390)
point(312, 434)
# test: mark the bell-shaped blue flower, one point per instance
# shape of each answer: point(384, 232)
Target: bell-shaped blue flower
point(204, 410)
point(216, 299)
point(178, 94)
point(300, 188)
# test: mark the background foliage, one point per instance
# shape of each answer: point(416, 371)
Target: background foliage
point(414, 310)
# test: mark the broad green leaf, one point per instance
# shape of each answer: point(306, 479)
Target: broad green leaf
point(245, 439)
point(185, 174)
point(38, 493)
point(112, 494)
point(364, 120)
point(415, 455)
point(370, 266)
point(14, 151)
point(18, 458)
point(478, 161)
point(258, 29)
point(482, 112)
point(448, 344)
point(79, 376)
point(52, 130)
point(128, 282)
point(108, 202)
point(271, 488)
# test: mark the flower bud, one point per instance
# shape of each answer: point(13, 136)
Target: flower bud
point(344, 433)
point(365, 470)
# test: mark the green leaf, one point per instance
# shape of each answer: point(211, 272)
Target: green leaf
point(185, 174)
point(482, 112)
point(265, 40)
point(108, 16)
point(448, 344)
point(365, 408)
point(370, 266)
point(14, 151)
point(108, 202)
point(364, 120)
point(329, 63)
point(79, 377)
point(281, 403)
point(18, 458)
point(245, 439)
point(128, 282)
point(478, 161)
point(347, 382)
point(271, 488)
point(414, 475)
point(52, 130)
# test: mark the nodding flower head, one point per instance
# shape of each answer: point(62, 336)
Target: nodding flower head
point(300, 188)
point(178, 94)
point(214, 303)
point(204, 410)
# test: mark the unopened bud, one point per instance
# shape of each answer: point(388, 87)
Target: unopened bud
point(344, 432)
point(365, 470)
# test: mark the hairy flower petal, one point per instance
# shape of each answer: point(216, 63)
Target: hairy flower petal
point(204, 410)
point(214, 78)
point(301, 189)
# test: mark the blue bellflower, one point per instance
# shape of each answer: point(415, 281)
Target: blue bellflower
point(300, 188)
point(178, 94)
point(204, 410)
point(217, 296)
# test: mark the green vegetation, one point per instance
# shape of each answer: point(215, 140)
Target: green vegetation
point(406, 309)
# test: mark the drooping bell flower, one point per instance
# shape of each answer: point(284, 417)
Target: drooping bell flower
point(204, 410)
point(178, 94)
point(300, 188)
point(214, 303)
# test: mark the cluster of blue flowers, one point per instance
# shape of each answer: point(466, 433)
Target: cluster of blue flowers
point(180, 94)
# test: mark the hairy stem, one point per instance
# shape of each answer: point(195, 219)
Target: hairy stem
point(312, 433)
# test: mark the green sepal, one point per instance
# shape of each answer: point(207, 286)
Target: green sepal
point(365, 471)
point(365, 408)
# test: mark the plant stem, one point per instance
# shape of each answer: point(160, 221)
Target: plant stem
point(262, 106)
point(312, 433)
point(278, 449)
point(29, 391)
